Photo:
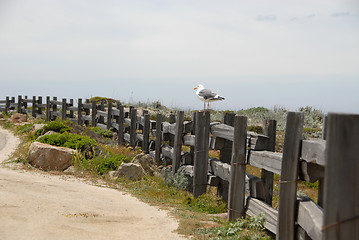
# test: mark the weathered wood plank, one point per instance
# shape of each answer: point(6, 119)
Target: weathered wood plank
point(55, 102)
point(310, 218)
point(253, 185)
point(158, 135)
point(269, 129)
point(119, 121)
point(86, 118)
point(87, 105)
point(126, 137)
point(146, 133)
point(220, 169)
point(189, 140)
point(167, 151)
point(270, 161)
point(236, 196)
point(133, 133)
point(115, 112)
point(102, 113)
point(127, 121)
point(256, 207)
point(289, 176)
point(178, 142)
point(310, 172)
point(201, 153)
point(222, 131)
point(341, 191)
point(68, 108)
point(313, 151)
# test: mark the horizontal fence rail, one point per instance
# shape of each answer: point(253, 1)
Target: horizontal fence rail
point(305, 160)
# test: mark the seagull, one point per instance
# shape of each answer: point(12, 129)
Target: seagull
point(207, 96)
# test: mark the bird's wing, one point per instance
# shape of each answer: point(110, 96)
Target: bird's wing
point(206, 94)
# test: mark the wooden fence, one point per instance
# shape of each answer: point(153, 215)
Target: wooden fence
point(333, 161)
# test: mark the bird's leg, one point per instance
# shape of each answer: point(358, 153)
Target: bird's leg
point(208, 106)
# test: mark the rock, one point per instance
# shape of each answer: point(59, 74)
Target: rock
point(37, 126)
point(70, 170)
point(147, 163)
point(1, 115)
point(112, 174)
point(18, 118)
point(48, 157)
point(131, 171)
point(47, 133)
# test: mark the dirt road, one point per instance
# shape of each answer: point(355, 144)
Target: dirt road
point(35, 205)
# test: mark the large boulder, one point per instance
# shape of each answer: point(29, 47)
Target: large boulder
point(131, 171)
point(147, 163)
point(48, 157)
point(18, 118)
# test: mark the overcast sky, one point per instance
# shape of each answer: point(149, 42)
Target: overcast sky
point(254, 53)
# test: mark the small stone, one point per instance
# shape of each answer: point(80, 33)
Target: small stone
point(131, 171)
point(18, 118)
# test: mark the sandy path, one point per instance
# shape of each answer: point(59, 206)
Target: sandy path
point(38, 206)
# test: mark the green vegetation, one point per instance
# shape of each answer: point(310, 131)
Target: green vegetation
point(69, 140)
point(56, 126)
point(100, 164)
point(105, 99)
point(250, 228)
point(104, 133)
point(26, 128)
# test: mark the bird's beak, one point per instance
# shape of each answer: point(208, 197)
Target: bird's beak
point(195, 88)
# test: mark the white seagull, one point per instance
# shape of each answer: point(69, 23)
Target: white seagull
point(207, 95)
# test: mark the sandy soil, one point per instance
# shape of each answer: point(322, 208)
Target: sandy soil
point(36, 205)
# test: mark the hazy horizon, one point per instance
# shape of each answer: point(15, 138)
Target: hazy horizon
point(258, 54)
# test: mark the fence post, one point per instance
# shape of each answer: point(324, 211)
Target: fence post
point(93, 113)
point(39, 102)
point(47, 108)
point(79, 112)
point(120, 124)
point(7, 105)
point(176, 161)
point(200, 169)
point(133, 135)
point(54, 108)
point(289, 176)
point(269, 129)
point(109, 115)
point(101, 119)
point(33, 110)
point(71, 111)
point(236, 196)
point(19, 101)
point(87, 113)
point(225, 156)
point(25, 105)
point(63, 108)
point(341, 195)
point(158, 139)
point(172, 119)
point(321, 181)
point(146, 134)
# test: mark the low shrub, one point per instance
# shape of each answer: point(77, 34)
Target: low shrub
point(56, 126)
point(74, 141)
point(24, 128)
point(104, 133)
point(100, 164)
